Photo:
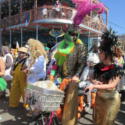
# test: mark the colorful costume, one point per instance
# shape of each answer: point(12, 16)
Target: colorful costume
point(71, 60)
point(92, 58)
point(70, 63)
point(2, 84)
point(8, 60)
point(107, 101)
point(19, 82)
point(36, 69)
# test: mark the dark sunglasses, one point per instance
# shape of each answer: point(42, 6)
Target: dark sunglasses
point(73, 34)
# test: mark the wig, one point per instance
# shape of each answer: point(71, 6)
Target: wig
point(84, 7)
point(36, 49)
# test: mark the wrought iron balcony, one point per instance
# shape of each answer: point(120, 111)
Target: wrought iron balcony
point(64, 13)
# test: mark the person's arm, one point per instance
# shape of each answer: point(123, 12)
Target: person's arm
point(93, 81)
point(84, 74)
point(37, 66)
point(81, 63)
point(111, 84)
point(2, 67)
point(8, 62)
point(81, 58)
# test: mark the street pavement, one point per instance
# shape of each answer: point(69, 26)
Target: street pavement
point(17, 116)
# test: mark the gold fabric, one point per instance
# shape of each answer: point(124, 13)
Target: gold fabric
point(75, 62)
point(106, 107)
point(70, 110)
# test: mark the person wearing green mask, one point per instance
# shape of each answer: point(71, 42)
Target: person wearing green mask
point(70, 62)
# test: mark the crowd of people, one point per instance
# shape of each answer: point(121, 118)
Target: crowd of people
point(102, 74)
point(67, 62)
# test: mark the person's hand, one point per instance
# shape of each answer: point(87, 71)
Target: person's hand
point(11, 72)
point(95, 82)
point(25, 71)
point(91, 87)
point(75, 79)
point(24, 67)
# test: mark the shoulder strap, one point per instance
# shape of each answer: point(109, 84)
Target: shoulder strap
point(20, 62)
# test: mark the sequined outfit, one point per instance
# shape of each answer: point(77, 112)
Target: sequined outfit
point(106, 107)
point(107, 102)
point(73, 64)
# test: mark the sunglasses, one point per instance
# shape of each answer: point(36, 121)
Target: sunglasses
point(73, 34)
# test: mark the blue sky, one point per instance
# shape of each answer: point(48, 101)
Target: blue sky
point(116, 14)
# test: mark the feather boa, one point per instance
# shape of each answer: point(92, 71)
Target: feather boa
point(105, 75)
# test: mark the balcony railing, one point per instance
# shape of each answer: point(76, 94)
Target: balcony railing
point(65, 13)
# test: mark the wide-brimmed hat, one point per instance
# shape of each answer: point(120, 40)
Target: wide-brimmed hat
point(23, 49)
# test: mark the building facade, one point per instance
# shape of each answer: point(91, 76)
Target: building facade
point(121, 39)
point(14, 15)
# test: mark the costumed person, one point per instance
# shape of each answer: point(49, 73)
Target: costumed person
point(19, 79)
point(48, 54)
point(8, 60)
point(36, 68)
point(92, 60)
point(105, 79)
point(53, 51)
point(2, 81)
point(71, 62)
point(120, 62)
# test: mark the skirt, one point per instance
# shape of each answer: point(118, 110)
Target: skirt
point(3, 84)
point(70, 110)
point(106, 107)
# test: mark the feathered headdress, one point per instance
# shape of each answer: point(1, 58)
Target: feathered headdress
point(84, 7)
point(109, 44)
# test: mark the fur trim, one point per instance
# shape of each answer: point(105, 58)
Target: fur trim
point(105, 76)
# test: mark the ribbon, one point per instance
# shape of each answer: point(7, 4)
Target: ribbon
point(106, 68)
point(51, 118)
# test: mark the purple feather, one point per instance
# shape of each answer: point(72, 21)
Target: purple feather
point(84, 7)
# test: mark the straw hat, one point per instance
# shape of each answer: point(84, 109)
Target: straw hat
point(23, 49)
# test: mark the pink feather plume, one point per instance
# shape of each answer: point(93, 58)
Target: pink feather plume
point(84, 7)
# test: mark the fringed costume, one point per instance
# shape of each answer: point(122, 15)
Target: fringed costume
point(107, 101)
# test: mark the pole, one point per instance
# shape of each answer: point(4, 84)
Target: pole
point(21, 36)
point(98, 41)
point(10, 38)
point(88, 40)
point(36, 32)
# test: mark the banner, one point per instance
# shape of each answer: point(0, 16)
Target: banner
point(29, 18)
